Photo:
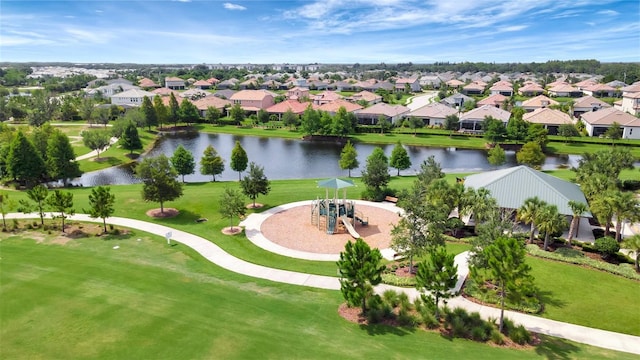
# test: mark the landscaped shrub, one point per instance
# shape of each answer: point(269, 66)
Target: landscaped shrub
point(405, 318)
point(429, 318)
point(631, 185)
point(405, 303)
point(392, 279)
point(520, 335)
point(375, 312)
point(625, 270)
point(391, 297)
point(496, 337)
point(607, 246)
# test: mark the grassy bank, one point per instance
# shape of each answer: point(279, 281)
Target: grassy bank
point(147, 300)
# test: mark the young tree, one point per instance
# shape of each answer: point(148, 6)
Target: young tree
point(376, 174)
point(101, 115)
point(508, 269)
point(399, 158)
point(567, 131)
point(6, 205)
point(614, 132)
point(531, 155)
point(188, 112)
point(237, 113)
point(183, 162)
point(360, 270)
point(310, 122)
point(159, 180)
point(150, 116)
point(494, 130)
point(211, 163)
point(577, 208)
point(437, 277)
point(95, 140)
point(633, 243)
point(239, 159)
point(349, 158)
point(255, 183)
point(162, 113)
point(130, 139)
point(451, 123)
point(263, 116)
point(24, 163)
point(174, 110)
point(86, 109)
point(383, 123)
point(289, 119)
point(61, 159)
point(212, 115)
point(37, 200)
point(232, 205)
point(414, 124)
point(496, 156)
point(625, 207)
point(62, 202)
point(529, 213)
point(517, 129)
point(101, 201)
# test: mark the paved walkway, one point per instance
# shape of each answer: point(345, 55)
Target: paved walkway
point(216, 255)
point(94, 153)
point(418, 101)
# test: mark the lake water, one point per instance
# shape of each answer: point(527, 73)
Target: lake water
point(297, 159)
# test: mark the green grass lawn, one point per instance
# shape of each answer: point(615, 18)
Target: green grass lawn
point(115, 155)
point(588, 297)
point(147, 300)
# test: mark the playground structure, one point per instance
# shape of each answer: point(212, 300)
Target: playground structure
point(327, 213)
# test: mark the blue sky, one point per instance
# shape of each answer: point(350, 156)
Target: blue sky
point(324, 31)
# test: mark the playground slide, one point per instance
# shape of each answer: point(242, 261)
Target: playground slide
point(347, 224)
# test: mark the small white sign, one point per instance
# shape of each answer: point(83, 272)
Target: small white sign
point(168, 236)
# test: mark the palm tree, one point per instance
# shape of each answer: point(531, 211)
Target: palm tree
point(633, 243)
point(625, 207)
point(577, 208)
point(550, 221)
point(602, 204)
point(528, 213)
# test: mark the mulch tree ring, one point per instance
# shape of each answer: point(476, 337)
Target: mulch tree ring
point(232, 230)
point(167, 213)
point(256, 206)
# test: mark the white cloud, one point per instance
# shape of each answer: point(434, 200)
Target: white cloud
point(88, 36)
point(230, 6)
point(183, 1)
point(513, 28)
point(608, 12)
point(99, 11)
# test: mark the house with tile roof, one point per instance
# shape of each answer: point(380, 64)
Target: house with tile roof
point(174, 83)
point(586, 104)
point(433, 114)
point(163, 91)
point(600, 90)
point(502, 87)
point(131, 97)
point(597, 122)
point(455, 83)
point(298, 93)
point(366, 96)
point(538, 102)
point(631, 103)
point(472, 120)
point(253, 100)
point(431, 81)
point(474, 88)
point(333, 106)
point(494, 100)
point(633, 88)
point(280, 108)
point(585, 84)
point(549, 118)
point(413, 83)
point(370, 115)
point(532, 89)
point(146, 83)
point(211, 101)
point(228, 84)
point(456, 100)
point(564, 90)
point(325, 97)
point(224, 94)
point(202, 85)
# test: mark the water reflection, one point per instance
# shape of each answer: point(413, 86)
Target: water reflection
point(297, 159)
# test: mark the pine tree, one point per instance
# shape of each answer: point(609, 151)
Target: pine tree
point(437, 276)
point(162, 113)
point(211, 163)
point(360, 270)
point(37, 200)
point(130, 138)
point(24, 163)
point(174, 110)
point(188, 112)
point(376, 174)
point(150, 116)
point(61, 159)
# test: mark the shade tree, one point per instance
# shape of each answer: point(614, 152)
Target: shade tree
point(232, 205)
point(96, 140)
point(159, 180)
point(399, 158)
point(183, 161)
point(348, 158)
point(36, 201)
point(376, 173)
point(211, 163)
point(61, 159)
point(255, 183)
point(130, 139)
point(101, 202)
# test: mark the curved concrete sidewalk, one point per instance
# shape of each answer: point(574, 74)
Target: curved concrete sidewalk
point(213, 253)
point(94, 153)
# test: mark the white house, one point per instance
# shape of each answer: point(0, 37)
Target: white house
point(597, 122)
point(132, 97)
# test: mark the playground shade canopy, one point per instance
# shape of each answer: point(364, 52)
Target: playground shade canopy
point(335, 183)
